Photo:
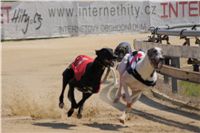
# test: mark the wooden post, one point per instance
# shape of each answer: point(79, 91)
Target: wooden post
point(175, 62)
point(196, 67)
point(166, 78)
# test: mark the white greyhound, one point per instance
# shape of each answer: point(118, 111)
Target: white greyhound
point(137, 71)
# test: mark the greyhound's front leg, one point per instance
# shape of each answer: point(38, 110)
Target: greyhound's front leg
point(130, 101)
point(114, 76)
point(81, 103)
point(106, 75)
point(72, 99)
point(126, 97)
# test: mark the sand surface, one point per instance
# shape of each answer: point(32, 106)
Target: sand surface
point(31, 85)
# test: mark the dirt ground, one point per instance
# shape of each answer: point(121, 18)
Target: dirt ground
point(31, 84)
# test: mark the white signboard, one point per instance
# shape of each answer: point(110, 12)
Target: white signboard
point(42, 19)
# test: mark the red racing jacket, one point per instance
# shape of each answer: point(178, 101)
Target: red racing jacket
point(80, 64)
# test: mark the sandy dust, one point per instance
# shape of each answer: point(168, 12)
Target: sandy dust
point(31, 84)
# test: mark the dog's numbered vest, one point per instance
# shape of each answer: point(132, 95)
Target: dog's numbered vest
point(80, 64)
point(133, 60)
point(135, 57)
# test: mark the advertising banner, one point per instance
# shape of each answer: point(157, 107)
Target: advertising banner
point(45, 19)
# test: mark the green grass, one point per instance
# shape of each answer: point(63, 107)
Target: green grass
point(190, 89)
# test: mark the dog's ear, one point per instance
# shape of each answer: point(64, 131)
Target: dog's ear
point(97, 52)
point(151, 52)
point(100, 51)
point(106, 53)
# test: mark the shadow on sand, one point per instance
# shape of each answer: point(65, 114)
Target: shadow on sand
point(108, 98)
point(104, 126)
point(144, 99)
point(55, 125)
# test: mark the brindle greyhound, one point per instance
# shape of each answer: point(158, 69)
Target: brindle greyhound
point(85, 75)
point(137, 71)
point(121, 50)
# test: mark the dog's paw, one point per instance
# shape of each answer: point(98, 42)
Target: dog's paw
point(122, 121)
point(61, 105)
point(79, 116)
point(122, 118)
point(70, 112)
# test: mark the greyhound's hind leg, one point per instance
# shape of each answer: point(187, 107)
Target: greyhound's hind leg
point(135, 96)
point(119, 92)
point(81, 103)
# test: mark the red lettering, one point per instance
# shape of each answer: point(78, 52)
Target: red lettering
point(180, 9)
point(199, 8)
point(183, 3)
point(164, 10)
point(192, 9)
point(6, 9)
point(171, 9)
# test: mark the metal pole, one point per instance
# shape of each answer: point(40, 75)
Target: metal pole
point(180, 26)
point(188, 33)
point(175, 32)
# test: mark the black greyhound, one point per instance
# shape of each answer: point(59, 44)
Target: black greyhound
point(89, 81)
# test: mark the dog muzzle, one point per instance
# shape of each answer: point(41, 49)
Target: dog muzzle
point(160, 63)
point(107, 63)
point(120, 57)
point(157, 63)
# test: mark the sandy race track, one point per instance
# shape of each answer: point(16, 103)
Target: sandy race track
point(31, 84)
